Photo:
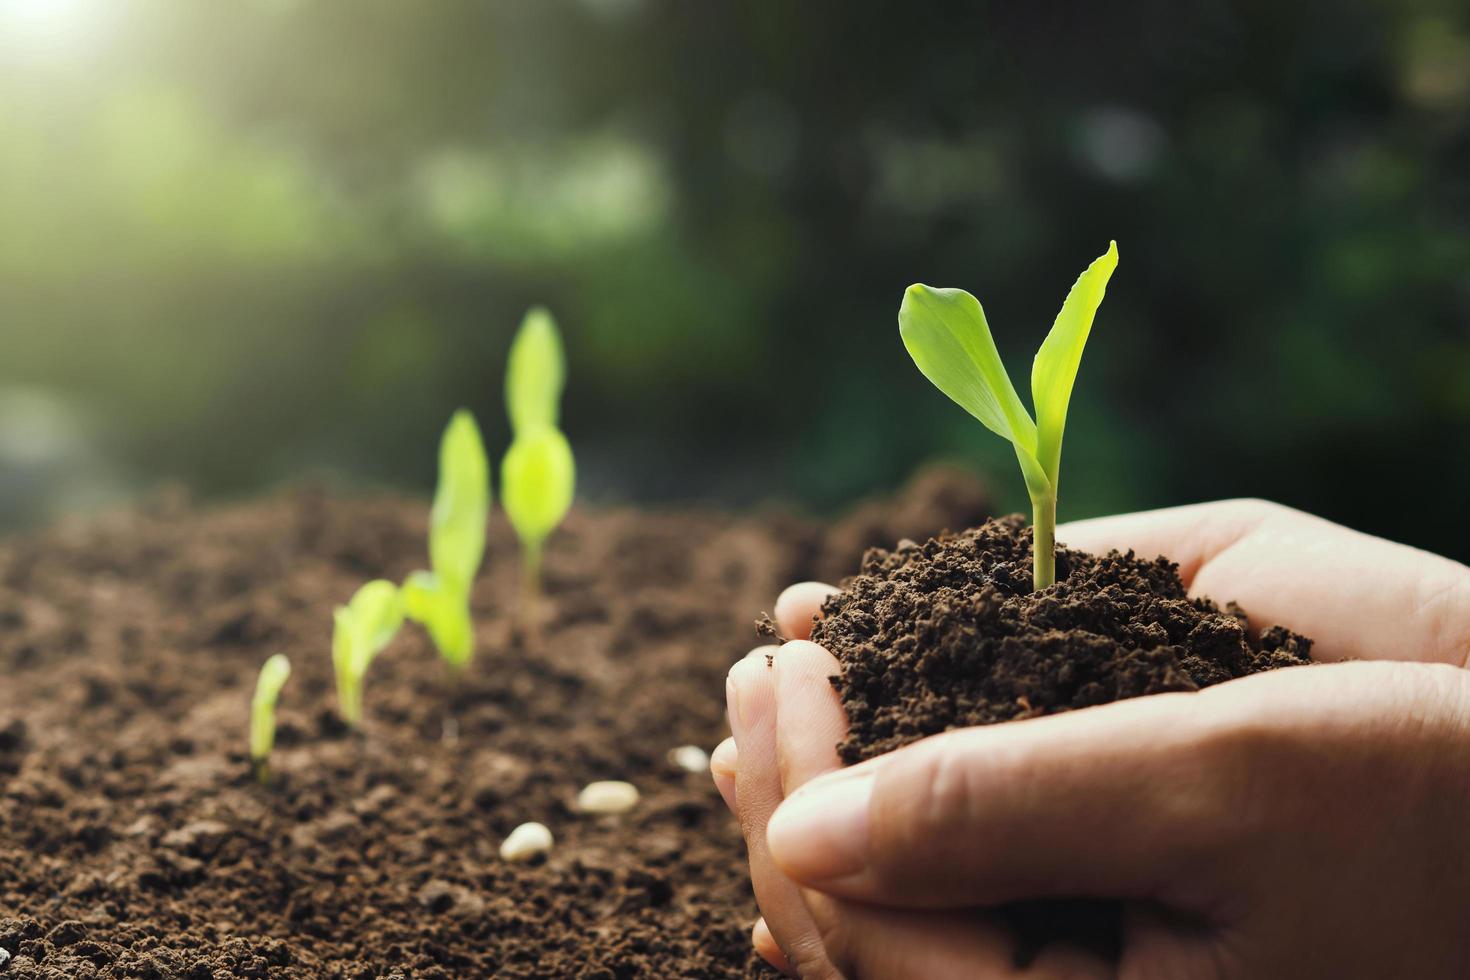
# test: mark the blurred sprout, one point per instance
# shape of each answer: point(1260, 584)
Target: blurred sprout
point(946, 334)
point(535, 373)
point(537, 481)
point(362, 628)
point(440, 599)
point(538, 475)
point(273, 675)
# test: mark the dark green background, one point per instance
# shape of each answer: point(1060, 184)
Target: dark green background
point(244, 242)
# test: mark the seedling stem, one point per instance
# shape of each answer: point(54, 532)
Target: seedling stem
point(1043, 544)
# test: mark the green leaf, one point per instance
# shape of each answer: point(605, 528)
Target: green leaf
point(273, 675)
point(534, 374)
point(461, 505)
point(361, 629)
point(420, 593)
point(452, 630)
point(444, 612)
point(537, 482)
point(373, 618)
point(1055, 369)
point(945, 332)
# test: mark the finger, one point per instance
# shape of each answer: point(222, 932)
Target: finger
point(757, 793)
point(799, 606)
point(809, 716)
point(1192, 535)
point(1111, 801)
point(1357, 596)
point(724, 762)
point(1132, 800)
point(765, 944)
point(899, 944)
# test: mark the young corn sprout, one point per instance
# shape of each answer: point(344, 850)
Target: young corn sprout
point(440, 599)
point(273, 675)
point(538, 475)
point(946, 334)
point(361, 630)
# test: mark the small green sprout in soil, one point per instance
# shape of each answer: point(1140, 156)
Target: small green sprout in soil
point(440, 599)
point(362, 628)
point(273, 675)
point(946, 334)
point(538, 475)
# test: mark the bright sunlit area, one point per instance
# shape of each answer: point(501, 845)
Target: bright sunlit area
point(55, 32)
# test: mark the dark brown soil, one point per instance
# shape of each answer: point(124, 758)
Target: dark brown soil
point(133, 842)
point(949, 634)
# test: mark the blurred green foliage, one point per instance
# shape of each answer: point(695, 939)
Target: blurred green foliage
point(242, 241)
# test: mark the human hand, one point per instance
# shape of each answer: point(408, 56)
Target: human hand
point(1294, 823)
point(822, 937)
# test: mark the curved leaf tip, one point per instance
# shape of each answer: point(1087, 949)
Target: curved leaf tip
point(1054, 371)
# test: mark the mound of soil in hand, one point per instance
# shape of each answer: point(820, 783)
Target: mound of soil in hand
point(949, 634)
point(134, 842)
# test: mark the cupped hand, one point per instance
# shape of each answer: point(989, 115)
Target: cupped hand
point(787, 721)
point(1306, 822)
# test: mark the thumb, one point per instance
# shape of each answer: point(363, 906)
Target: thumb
point(1116, 801)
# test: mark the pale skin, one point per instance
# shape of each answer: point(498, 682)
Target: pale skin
point(1309, 822)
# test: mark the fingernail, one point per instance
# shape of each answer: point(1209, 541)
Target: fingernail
point(725, 759)
point(821, 831)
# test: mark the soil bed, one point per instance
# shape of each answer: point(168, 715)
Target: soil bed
point(133, 842)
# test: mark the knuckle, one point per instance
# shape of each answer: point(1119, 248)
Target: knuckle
point(931, 799)
point(1239, 769)
point(950, 784)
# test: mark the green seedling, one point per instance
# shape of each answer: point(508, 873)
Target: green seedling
point(361, 630)
point(538, 475)
point(946, 334)
point(537, 481)
point(440, 599)
point(273, 675)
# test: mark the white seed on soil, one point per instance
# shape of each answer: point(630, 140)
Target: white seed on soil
point(607, 796)
point(690, 758)
point(526, 841)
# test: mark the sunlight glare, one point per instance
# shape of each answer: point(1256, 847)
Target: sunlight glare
point(49, 29)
